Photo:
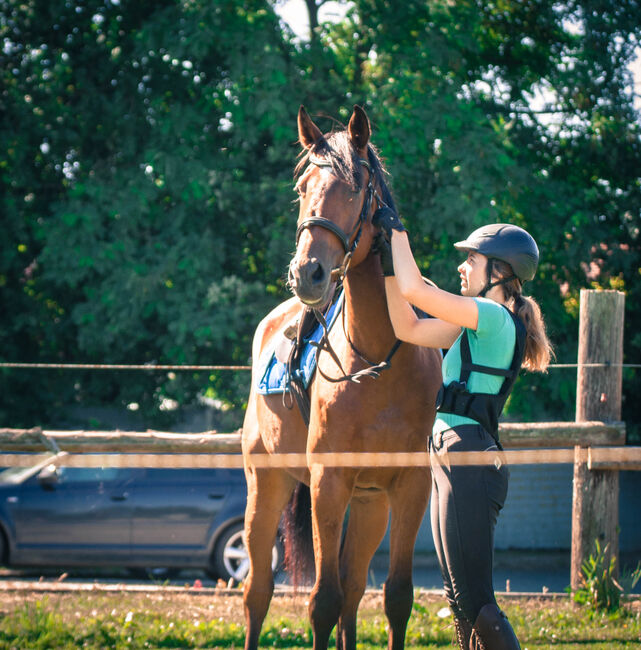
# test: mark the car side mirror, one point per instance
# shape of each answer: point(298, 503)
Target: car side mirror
point(48, 477)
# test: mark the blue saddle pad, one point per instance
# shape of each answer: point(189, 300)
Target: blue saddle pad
point(273, 373)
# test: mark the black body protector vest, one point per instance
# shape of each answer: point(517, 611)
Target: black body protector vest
point(485, 408)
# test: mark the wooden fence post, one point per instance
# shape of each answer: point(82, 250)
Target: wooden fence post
point(595, 494)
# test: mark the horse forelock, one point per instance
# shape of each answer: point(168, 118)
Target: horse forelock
point(337, 149)
point(379, 172)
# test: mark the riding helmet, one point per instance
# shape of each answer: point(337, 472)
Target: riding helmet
point(503, 241)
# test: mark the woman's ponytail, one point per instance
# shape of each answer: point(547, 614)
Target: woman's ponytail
point(538, 349)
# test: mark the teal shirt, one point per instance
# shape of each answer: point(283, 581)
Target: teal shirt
point(492, 344)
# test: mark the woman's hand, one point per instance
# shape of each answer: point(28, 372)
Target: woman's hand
point(387, 220)
point(383, 249)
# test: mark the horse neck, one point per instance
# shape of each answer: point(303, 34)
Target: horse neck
point(367, 322)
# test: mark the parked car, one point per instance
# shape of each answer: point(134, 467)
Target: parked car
point(139, 518)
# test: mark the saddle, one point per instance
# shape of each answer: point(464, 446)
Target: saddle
point(287, 367)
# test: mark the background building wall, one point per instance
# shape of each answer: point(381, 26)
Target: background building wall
point(538, 512)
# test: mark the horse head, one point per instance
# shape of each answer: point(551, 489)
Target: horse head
point(338, 194)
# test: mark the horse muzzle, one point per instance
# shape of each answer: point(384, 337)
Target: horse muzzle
point(311, 281)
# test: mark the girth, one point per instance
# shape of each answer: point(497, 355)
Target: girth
point(485, 408)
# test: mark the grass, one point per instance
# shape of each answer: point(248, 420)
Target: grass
point(211, 619)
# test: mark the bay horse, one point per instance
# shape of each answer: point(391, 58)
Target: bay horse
point(339, 188)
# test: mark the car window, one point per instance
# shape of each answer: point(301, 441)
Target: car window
point(17, 474)
point(14, 474)
point(162, 474)
point(197, 475)
point(91, 474)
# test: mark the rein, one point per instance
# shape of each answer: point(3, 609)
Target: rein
point(374, 370)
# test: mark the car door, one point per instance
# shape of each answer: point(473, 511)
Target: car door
point(175, 510)
point(73, 516)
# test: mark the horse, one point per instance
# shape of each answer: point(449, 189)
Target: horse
point(340, 184)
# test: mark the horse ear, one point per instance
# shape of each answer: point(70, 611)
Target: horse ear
point(308, 133)
point(359, 129)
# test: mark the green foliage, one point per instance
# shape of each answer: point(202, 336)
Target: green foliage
point(601, 588)
point(146, 157)
point(519, 112)
point(154, 243)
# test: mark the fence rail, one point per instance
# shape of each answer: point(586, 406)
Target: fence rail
point(524, 444)
point(114, 366)
point(516, 435)
point(179, 367)
point(626, 458)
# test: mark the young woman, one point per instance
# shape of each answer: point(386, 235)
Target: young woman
point(490, 331)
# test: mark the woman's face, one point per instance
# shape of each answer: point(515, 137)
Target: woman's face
point(473, 274)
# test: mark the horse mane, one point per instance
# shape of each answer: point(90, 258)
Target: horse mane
point(337, 148)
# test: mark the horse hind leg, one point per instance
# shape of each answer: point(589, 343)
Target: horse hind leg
point(368, 517)
point(408, 502)
point(267, 494)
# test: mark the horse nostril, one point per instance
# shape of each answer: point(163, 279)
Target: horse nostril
point(318, 274)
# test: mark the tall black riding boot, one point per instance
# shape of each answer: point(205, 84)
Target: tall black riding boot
point(463, 632)
point(492, 631)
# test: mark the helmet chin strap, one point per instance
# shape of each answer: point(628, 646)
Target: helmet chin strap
point(489, 284)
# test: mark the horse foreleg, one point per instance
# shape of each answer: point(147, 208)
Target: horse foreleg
point(366, 527)
point(330, 492)
point(267, 494)
point(408, 502)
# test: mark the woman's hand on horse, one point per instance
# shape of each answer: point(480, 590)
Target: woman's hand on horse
point(387, 220)
point(383, 249)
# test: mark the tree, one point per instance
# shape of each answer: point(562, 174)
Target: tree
point(148, 150)
point(519, 112)
point(160, 130)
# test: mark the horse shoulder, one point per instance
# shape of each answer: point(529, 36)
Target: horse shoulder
point(420, 368)
point(273, 323)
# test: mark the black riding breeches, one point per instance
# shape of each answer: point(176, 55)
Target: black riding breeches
point(464, 508)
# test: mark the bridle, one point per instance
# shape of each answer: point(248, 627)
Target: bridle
point(373, 369)
point(354, 237)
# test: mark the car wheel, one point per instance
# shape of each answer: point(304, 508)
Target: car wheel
point(231, 559)
point(3, 548)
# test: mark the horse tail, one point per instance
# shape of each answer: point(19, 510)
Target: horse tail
point(296, 527)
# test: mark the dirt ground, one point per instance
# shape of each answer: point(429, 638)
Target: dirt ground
point(188, 603)
point(205, 604)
